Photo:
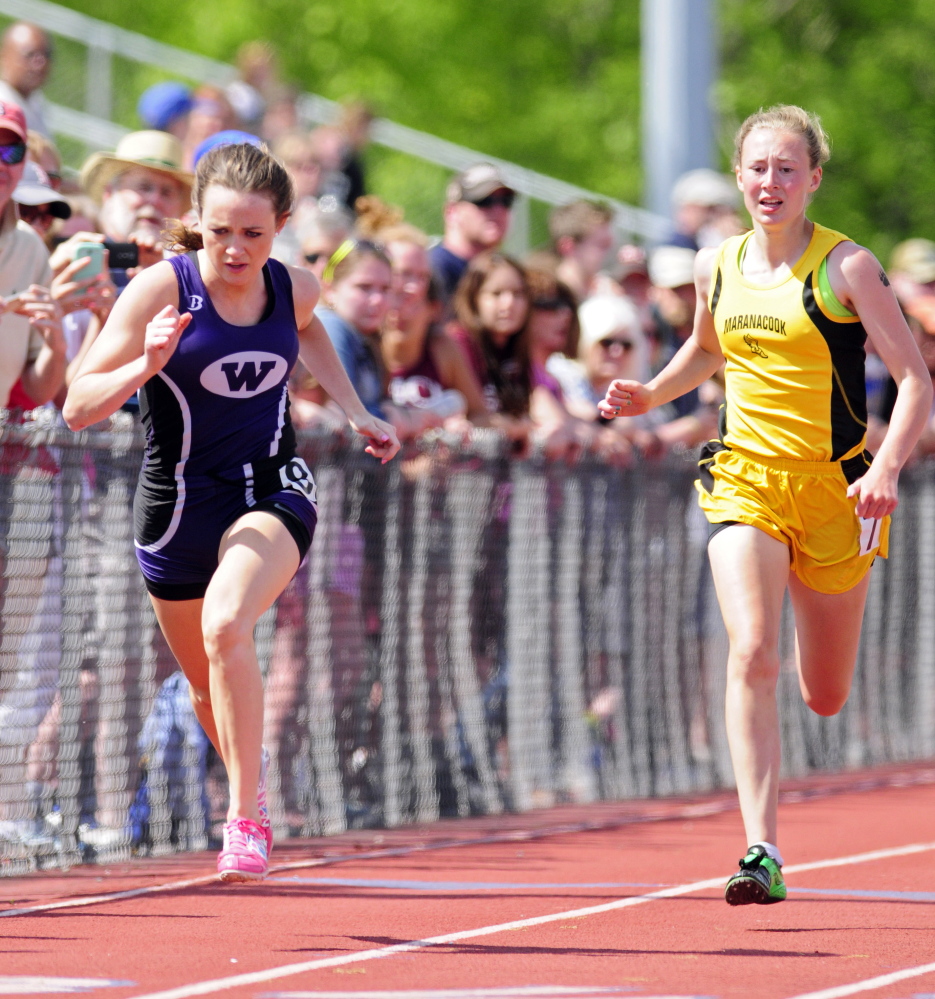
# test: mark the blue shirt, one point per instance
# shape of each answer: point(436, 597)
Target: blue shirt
point(448, 267)
point(358, 359)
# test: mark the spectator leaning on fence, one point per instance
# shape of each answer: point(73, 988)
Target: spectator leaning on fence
point(356, 291)
point(582, 240)
point(25, 61)
point(477, 217)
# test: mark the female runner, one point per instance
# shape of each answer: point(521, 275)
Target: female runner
point(224, 511)
point(793, 499)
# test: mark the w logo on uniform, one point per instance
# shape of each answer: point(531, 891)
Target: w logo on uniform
point(247, 375)
point(244, 374)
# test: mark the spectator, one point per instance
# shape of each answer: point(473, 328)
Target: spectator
point(25, 61)
point(165, 107)
point(582, 239)
point(477, 217)
point(295, 151)
point(428, 379)
point(912, 269)
point(139, 186)
point(322, 232)
point(705, 209)
point(30, 325)
point(37, 202)
point(136, 197)
point(671, 270)
point(281, 114)
point(42, 150)
point(611, 345)
point(355, 121)
point(356, 290)
point(210, 112)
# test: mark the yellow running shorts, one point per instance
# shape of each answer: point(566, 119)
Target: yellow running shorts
point(802, 504)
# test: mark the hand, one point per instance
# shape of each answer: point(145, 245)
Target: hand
point(625, 398)
point(382, 436)
point(64, 253)
point(876, 492)
point(95, 293)
point(162, 336)
point(150, 252)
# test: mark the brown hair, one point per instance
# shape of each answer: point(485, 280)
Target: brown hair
point(508, 369)
point(788, 118)
point(578, 220)
point(544, 287)
point(240, 167)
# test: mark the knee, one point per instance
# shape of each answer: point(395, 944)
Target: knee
point(753, 662)
point(224, 633)
point(825, 702)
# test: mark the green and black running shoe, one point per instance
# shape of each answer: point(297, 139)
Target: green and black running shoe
point(758, 882)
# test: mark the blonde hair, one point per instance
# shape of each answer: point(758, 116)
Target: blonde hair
point(379, 221)
point(788, 118)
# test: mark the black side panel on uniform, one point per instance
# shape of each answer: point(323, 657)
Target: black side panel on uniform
point(156, 490)
point(717, 292)
point(849, 387)
point(709, 450)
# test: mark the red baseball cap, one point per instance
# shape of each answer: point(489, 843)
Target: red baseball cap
point(13, 119)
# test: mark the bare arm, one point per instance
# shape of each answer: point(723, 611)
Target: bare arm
point(319, 356)
point(137, 341)
point(697, 360)
point(861, 285)
point(458, 374)
point(44, 375)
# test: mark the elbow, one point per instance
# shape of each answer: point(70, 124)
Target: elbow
point(73, 418)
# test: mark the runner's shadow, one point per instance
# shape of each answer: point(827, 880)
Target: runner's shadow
point(493, 950)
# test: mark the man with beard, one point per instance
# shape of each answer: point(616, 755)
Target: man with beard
point(139, 186)
point(477, 217)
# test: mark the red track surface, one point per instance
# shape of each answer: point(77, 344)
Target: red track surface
point(842, 925)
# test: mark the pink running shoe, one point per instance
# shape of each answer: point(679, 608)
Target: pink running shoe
point(261, 802)
point(243, 857)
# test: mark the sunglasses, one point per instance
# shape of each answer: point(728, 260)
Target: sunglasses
point(13, 153)
point(625, 345)
point(35, 213)
point(503, 199)
point(313, 258)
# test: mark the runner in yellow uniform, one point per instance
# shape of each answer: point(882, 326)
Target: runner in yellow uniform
point(793, 498)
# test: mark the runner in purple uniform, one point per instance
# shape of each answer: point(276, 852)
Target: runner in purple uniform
point(224, 512)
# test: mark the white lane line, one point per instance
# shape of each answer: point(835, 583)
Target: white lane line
point(378, 953)
point(868, 984)
point(511, 836)
point(18, 985)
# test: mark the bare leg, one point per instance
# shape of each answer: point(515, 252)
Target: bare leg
point(827, 633)
point(258, 557)
point(180, 621)
point(751, 570)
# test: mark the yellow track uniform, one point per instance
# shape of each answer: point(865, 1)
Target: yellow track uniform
point(794, 422)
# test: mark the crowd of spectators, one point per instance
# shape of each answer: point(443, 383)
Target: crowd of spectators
point(438, 334)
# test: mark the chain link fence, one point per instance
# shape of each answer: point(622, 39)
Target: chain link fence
point(470, 635)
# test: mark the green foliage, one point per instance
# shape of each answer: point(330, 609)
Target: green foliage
point(865, 66)
point(554, 85)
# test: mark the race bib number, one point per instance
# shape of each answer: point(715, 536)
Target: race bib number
point(297, 475)
point(870, 529)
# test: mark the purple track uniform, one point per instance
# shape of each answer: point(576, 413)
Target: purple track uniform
point(219, 441)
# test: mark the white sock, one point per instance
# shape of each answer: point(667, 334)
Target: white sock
point(772, 851)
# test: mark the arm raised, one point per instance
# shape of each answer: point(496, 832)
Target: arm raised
point(140, 336)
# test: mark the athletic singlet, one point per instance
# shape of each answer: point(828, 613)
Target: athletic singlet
point(419, 384)
point(220, 406)
point(795, 366)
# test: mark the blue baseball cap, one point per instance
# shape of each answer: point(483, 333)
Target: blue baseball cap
point(229, 137)
point(162, 103)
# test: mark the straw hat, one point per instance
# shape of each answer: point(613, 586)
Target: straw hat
point(155, 150)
